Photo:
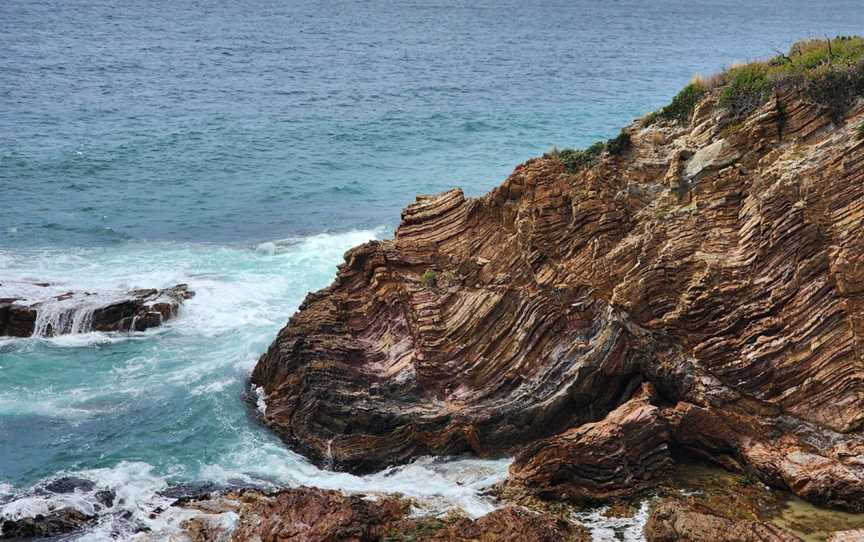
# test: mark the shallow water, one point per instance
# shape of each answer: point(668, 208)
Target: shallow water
point(242, 148)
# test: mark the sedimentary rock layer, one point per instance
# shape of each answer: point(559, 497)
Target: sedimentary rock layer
point(316, 515)
point(722, 261)
point(44, 312)
point(680, 521)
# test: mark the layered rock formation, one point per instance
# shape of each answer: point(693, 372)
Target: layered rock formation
point(44, 312)
point(624, 453)
point(317, 515)
point(721, 260)
point(681, 521)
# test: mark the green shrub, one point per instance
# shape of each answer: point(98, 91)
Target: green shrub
point(859, 132)
point(831, 74)
point(576, 159)
point(746, 87)
point(832, 88)
point(683, 104)
point(619, 144)
point(428, 278)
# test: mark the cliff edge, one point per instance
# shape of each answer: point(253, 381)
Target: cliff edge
point(694, 285)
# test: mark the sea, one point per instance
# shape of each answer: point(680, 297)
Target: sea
point(241, 147)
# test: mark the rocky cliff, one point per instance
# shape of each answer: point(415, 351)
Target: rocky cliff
point(696, 285)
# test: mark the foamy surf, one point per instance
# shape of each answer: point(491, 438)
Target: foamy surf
point(132, 502)
point(171, 398)
point(135, 413)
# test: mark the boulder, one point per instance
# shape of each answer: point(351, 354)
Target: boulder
point(45, 312)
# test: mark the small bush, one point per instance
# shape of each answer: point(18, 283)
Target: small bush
point(859, 132)
point(832, 88)
point(428, 278)
point(746, 88)
point(619, 144)
point(576, 159)
point(831, 74)
point(682, 105)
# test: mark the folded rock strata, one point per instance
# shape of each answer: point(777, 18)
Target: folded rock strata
point(626, 452)
point(725, 267)
point(317, 515)
point(46, 312)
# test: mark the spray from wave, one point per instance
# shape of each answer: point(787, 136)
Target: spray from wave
point(136, 414)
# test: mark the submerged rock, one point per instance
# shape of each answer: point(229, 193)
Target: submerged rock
point(721, 261)
point(45, 312)
point(70, 484)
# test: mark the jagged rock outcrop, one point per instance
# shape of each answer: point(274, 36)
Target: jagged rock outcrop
point(44, 312)
point(721, 261)
point(620, 455)
point(676, 520)
point(318, 515)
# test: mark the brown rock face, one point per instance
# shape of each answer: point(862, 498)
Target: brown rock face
point(625, 452)
point(724, 266)
point(74, 312)
point(316, 515)
point(680, 521)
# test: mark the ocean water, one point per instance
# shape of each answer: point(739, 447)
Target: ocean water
point(242, 147)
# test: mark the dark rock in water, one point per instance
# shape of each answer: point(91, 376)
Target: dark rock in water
point(69, 484)
point(52, 314)
point(192, 490)
point(59, 522)
point(678, 520)
point(106, 497)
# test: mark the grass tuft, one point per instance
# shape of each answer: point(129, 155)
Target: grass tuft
point(428, 278)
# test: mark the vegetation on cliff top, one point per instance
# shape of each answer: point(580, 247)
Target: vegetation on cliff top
point(830, 72)
point(576, 159)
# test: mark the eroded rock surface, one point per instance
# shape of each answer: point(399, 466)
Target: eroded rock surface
point(677, 520)
point(318, 515)
point(41, 309)
point(734, 284)
point(624, 453)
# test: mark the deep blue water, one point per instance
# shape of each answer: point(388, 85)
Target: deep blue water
point(242, 147)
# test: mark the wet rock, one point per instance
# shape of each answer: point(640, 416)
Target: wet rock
point(191, 490)
point(48, 313)
point(106, 497)
point(677, 520)
point(60, 522)
point(70, 484)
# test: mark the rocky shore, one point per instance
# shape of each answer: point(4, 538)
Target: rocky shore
point(689, 291)
point(694, 286)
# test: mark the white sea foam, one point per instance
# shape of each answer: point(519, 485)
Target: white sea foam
point(243, 296)
point(260, 401)
point(605, 528)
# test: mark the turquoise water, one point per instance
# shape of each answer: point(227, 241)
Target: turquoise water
point(241, 147)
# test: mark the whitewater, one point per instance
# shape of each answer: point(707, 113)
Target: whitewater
point(139, 413)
